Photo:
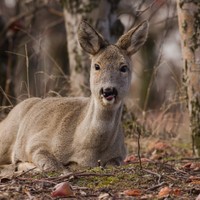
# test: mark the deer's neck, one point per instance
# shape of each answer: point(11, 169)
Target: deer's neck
point(100, 124)
point(109, 117)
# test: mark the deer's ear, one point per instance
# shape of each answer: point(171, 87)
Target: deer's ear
point(89, 39)
point(134, 38)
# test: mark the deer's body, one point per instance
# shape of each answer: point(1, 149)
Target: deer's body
point(55, 132)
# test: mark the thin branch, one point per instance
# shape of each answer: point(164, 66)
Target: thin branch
point(140, 12)
point(154, 173)
point(6, 96)
point(27, 70)
point(19, 17)
point(156, 186)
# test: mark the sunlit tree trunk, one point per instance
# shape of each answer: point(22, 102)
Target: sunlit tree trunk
point(189, 26)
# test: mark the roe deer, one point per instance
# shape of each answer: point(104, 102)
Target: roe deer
point(54, 132)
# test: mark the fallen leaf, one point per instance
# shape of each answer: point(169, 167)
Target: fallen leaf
point(195, 166)
point(192, 166)
point(62, 190)
point(130, 158)
point(176, 192)
point(159, 150)
point(133, 192)
point(133, 158)
point(187, 165)
point(194, 178)
point(164, 192)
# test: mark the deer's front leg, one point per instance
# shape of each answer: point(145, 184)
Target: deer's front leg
point(114, 162)
point(45, 160)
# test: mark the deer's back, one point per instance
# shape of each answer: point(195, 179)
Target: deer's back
point(53, 114)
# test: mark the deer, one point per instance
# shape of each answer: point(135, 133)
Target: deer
point(56, 132)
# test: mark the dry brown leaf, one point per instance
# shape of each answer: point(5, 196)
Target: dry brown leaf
point(169, 191)
point(187, 165)
point(192, 166)
point(133, 158)
point(133, 192)
point(176, 192)
point(130, 158)
point(195, 166)
point(62, 190)
point(164, 192)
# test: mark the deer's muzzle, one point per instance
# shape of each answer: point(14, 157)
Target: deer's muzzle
point(108, 93)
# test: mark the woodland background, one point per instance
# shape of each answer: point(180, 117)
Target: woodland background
point(40, 56)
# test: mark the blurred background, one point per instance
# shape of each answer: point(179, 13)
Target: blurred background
point(40, 56)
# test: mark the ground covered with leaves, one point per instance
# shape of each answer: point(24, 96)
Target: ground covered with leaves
point(161, 177)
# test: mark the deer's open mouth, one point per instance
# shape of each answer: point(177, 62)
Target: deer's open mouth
point(109, 94)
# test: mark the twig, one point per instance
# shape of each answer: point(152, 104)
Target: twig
point(154, 173)
point(2, 91)
point(19, 17)
point(27, 70)
point(138, 143)
point(23, 173)
point(140, 12)
point(195, 159)
point(156, 186)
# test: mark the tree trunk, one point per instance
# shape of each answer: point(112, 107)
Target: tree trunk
point(189, 27)
point(100, 14)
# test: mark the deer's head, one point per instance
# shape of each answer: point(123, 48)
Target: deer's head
point(110, 75)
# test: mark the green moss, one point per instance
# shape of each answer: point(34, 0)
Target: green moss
point(122, 177)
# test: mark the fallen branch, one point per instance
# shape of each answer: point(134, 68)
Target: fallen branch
point(156, 186)
point(154, 173)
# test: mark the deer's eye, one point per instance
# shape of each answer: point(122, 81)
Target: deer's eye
point(97, 67)
point(124, 69)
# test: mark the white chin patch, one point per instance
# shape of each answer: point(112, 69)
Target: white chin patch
point(108, 102)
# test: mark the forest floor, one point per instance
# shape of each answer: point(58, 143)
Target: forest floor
point(165, 169)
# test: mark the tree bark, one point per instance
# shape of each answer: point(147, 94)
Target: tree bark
point(189, 27)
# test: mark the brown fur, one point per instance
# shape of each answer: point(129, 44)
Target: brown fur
point(54, 132)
